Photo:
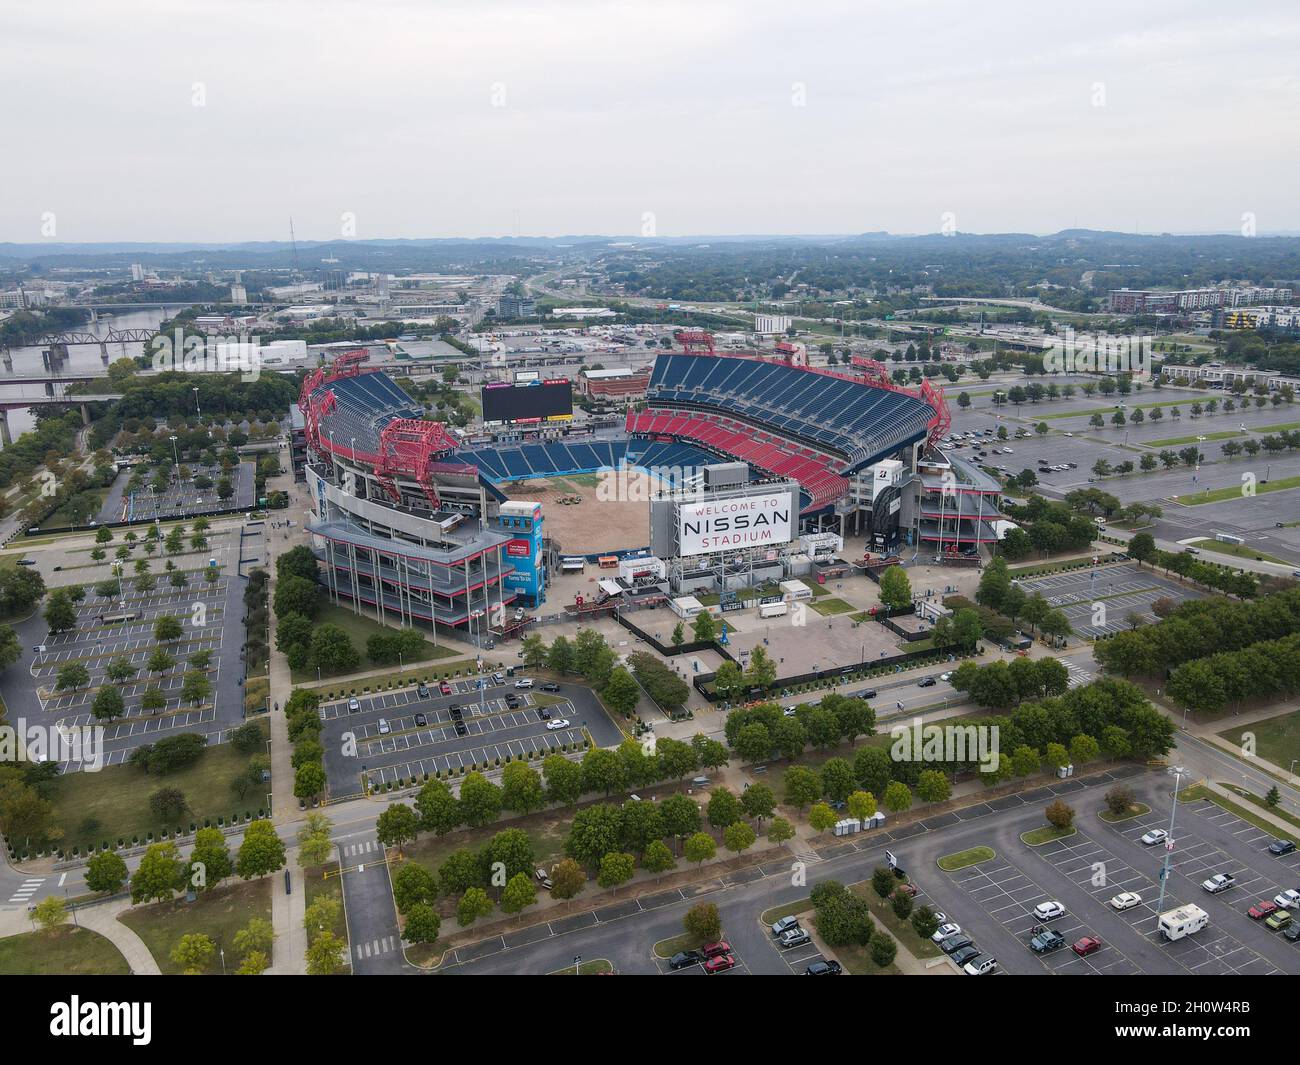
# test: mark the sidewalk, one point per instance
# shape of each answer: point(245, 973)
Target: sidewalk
point(103, 919)
point(290, 952)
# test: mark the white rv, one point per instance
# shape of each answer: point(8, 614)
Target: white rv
point(1183, 922)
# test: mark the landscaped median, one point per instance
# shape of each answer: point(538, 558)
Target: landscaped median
point(1200, 792)
point(1038, 836)
point(950, 863)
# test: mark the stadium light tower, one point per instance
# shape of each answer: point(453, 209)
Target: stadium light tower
point(1177, 771)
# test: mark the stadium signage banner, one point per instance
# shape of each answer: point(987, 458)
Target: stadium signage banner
point(725, 524)
point(519, 548)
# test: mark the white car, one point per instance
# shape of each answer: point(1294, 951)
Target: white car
point(1126, 900)
point(945, 676)
point(527, 682)
point(384, 728)
point(555, 726)
point(1007, 451)
point(980, 966)
point(945, 930)
point(1156, 835)
point(354, 705)
point(1288, 899)
point(1049, 911)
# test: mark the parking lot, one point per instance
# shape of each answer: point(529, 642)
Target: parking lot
point(494, 732)
point(994, 900)
point(211, 621)
point(181, 499)
point(1121, 588)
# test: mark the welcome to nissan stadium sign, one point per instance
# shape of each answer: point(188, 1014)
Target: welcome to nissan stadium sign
point(705, 526)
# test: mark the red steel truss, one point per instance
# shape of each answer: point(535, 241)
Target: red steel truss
point(347, 364)
point(695, 341)
point(407, 446)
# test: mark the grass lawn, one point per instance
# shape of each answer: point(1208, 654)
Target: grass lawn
point(218, 914)
point(1277, 739)
point(666, 948)
point(117, 798)
point(830, 606)
point(1137, 809)
point(1038, 836)
point(1258, 800)
point(950, 863)
point(1218, 495)
point(1176, 441)
point(901, 930)
point(1236, 550)
point(547, 831)
point(587, 968)
point(66, 951)
point(360, 627)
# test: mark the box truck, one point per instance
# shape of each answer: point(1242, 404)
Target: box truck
point(1183, 922)
point(773, 610)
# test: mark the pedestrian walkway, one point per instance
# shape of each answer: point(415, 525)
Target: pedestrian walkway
point(102, 918)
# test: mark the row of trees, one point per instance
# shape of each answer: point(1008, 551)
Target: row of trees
point(997, 593)
point(1001, 684)
point(1199, 628)
point(1260, 670)
point(1211, 574)
point(762, 731)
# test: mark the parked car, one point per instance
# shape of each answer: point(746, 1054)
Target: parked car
point(384, 727)
point(982, 967)
point(544, 879)
point(445, 688)
point(1219, 882)
point(685, 958)
point(1261, 909)
point(784, 925)
point(714, 950)
point(1291, 933)
point(910, 890)
point(832, 968)
point(965, 955)
point(1288, 899)
point(1085, 946)
point(421, 720)
point(550, 686)
point(543, 713)
point(794, 937)
point(1280, 847)
point(954, 943)
point(1048, 911)
point(422, 690)
point(354, 706)
point(555, 726)
point(720, 964)
point(1046, 942)
point(524, 682)
point(1126, 900)
point(1277, 920)
point(945, 930)
point(27, 562)
point(461, 730)
point(1156, 835)
point(512, 702)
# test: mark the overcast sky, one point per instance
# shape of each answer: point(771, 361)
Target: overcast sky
point(217, 121)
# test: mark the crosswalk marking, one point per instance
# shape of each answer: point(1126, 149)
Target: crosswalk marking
point(375, 948)
point(28, 889)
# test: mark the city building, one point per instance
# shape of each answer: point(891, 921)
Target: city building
point(767, 324)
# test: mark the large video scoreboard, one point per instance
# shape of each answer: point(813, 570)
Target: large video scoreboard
point(549, 400)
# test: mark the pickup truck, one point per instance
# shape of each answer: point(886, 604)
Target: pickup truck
point(1219, 882)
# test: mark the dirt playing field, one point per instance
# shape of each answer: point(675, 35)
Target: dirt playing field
point(614, 513)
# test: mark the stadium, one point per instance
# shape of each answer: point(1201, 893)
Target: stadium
point(433, 526)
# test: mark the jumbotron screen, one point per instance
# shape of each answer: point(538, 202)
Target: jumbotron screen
point(542, 401)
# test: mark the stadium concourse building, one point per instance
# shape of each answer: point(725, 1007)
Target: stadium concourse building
point(399, 524)
point(410, 520)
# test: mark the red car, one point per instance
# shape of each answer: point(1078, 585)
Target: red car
point(720, 964)
point(445, 688)
point(1085, 946)
point(713, 950)
point(910, 890)
point(1261, 910)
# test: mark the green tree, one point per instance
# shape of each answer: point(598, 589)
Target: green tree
point(194, 953)
point(106, 872)
point(397, 826)
point(895, 588)
point(702, 923)
point(519, 892)
point(699, 848)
